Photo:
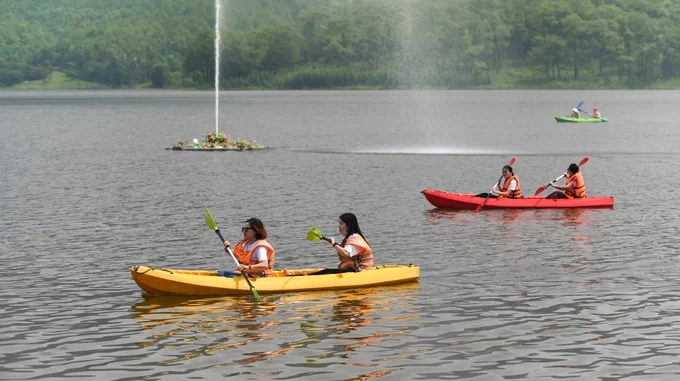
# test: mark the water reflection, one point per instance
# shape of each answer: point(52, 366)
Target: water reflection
point(574, 217)
point(569, 216)
point(436, 215)
point(353, 311)
point(334, 322)
point(199, 327)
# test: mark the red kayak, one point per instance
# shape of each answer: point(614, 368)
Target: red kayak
point(469, 201)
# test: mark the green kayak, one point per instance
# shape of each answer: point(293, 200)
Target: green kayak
point(568, 119)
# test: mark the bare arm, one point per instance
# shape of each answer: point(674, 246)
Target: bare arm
point(342, 252)
point(563, 187)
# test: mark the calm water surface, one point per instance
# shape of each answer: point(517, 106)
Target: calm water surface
point(88, 191)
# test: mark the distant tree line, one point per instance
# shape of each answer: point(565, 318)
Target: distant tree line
point(294, 44)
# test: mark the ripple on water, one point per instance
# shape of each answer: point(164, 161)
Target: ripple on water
point(544, 294)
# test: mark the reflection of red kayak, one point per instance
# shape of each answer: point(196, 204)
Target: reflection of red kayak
point(469, 201)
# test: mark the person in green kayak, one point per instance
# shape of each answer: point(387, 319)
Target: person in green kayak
point(575, 186)
point(254, 254)
point(574, 113)
point(596, 113)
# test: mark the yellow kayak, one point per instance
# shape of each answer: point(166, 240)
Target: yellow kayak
point(158, 281)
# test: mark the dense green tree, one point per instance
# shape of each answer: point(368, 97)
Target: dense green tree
point(160, 76)
point(281, 45)
point(199, 59)
point(9, 76)
point(342, 43)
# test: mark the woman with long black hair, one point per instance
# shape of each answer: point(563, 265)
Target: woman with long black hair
point(354, 251)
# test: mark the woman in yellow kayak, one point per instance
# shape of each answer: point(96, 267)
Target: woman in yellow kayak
point(354, 251)
point(575, 186)
point(254, 254)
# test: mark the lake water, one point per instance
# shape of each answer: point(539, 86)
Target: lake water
point(89, 190)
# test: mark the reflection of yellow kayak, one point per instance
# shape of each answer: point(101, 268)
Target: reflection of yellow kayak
point(157, 281)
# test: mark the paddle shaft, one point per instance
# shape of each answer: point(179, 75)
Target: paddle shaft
point(498, 185)
point(541, 189)
point(557, 179)
point(581, 110)
point(231, 254)
point(243, 273)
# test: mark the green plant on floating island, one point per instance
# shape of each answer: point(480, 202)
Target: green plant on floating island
point(217, 141)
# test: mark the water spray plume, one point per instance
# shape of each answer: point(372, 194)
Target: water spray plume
point(218, 7)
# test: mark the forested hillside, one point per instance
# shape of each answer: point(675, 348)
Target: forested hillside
point(344, 43)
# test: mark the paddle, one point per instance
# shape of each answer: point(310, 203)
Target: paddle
point(511, 162)
point(212, 225)
point(314, 234)
point(544, 187)
point(581, 110)
point(578, 107)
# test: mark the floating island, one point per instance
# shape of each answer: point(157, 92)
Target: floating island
point(217, 142)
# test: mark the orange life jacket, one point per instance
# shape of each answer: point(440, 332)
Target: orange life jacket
point(580, 190)
point(515, 193)
point(364, 257)
point(243, 257)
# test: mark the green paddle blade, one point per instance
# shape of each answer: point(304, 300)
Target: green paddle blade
point(209, 220)
point(254, 291)
point(314, 234)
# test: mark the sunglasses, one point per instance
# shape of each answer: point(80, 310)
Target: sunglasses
point(244, 229)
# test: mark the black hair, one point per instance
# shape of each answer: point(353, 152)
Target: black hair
point(509, 168)
point(352, 224)
point(258, 227)
point(573, 168)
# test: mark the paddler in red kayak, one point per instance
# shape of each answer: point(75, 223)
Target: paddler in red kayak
point(575, 186)
point(510, 187)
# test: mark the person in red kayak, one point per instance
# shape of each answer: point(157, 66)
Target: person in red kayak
point(596, 113)
point(575, 186)
point(254, 254)
point(510, 187)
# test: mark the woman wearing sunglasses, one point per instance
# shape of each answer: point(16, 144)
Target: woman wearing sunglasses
point(254, 254)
